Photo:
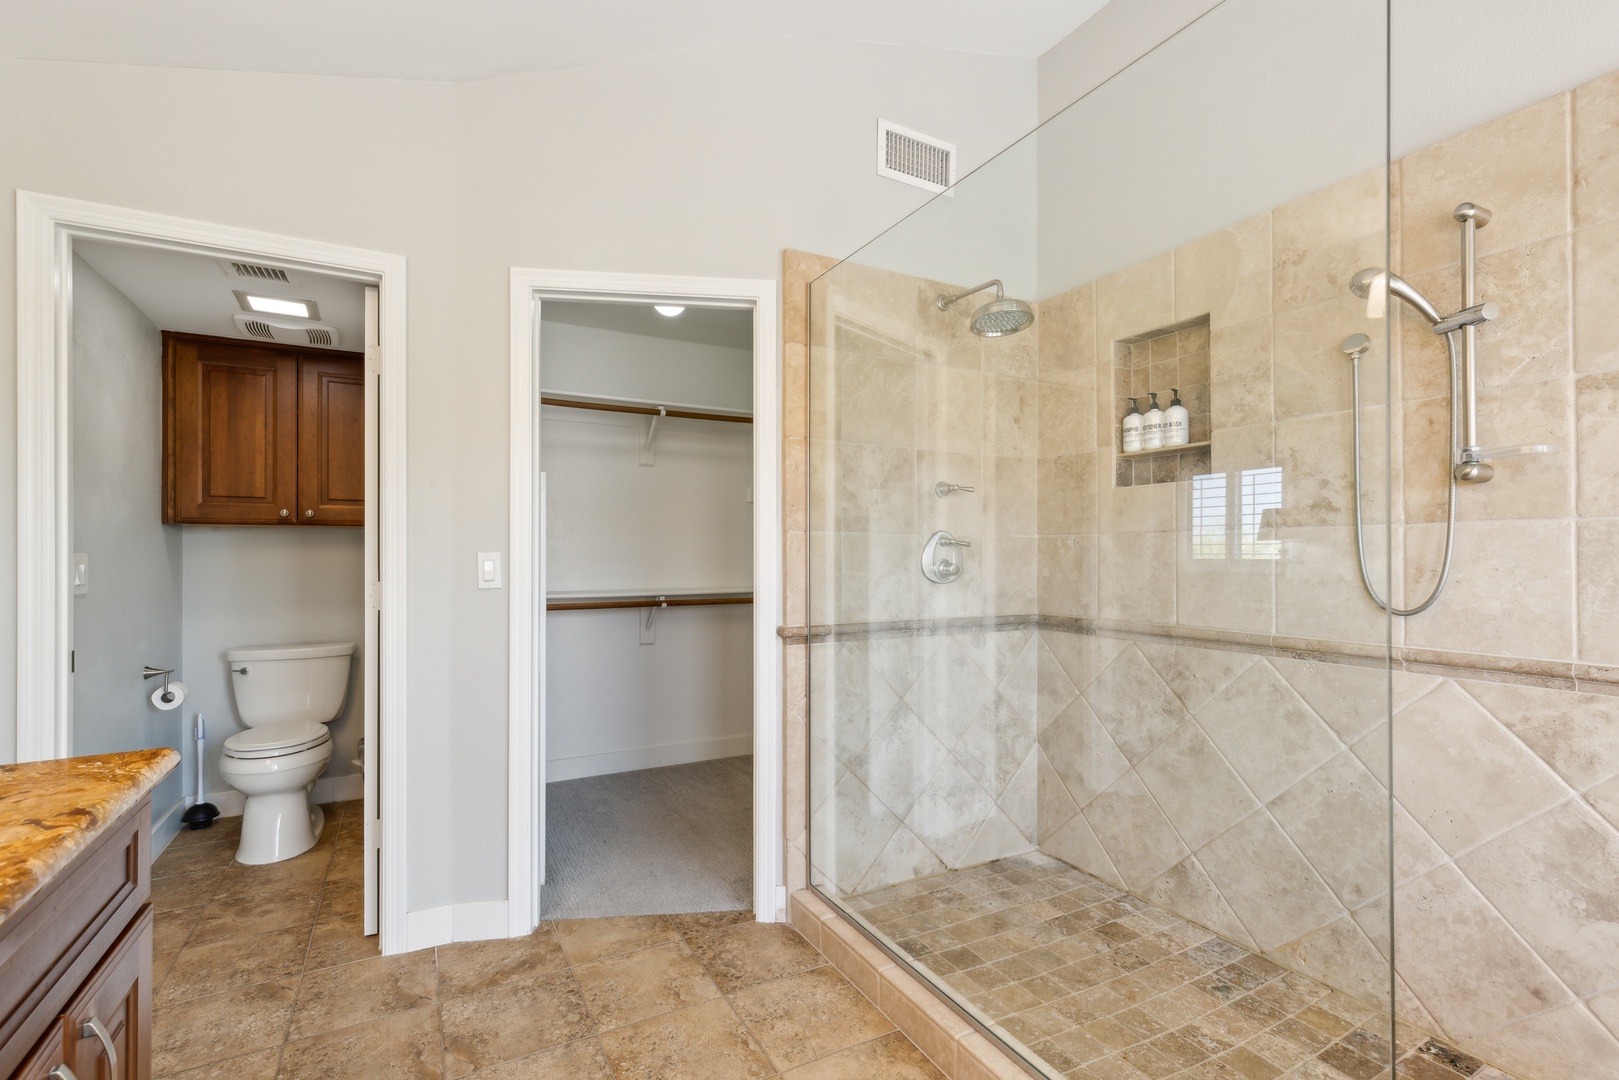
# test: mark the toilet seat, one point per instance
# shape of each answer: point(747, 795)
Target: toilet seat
point(276, 740)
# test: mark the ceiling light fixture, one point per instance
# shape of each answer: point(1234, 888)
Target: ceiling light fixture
point(671, 310)
point(275, 305)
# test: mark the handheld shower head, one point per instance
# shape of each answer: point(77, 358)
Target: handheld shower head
point(1375, 285)
point(998, 318)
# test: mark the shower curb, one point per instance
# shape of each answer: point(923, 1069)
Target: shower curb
point(955, 1045)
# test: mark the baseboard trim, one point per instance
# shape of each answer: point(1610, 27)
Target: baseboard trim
point(478, 921)
point(328, 789)
point(647, 757)
point(166, 826)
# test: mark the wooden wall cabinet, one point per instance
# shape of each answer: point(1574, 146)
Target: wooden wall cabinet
point(261, 434)
point(76, 966)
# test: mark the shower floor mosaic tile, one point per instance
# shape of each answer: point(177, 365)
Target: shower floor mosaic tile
point(1103, 986)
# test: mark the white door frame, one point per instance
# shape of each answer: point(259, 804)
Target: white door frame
point(47, 225)
point(526, 774)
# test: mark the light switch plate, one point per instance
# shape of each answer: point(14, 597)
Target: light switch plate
point(488, 569)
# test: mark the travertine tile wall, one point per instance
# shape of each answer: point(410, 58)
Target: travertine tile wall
point(928, 739)
point(1240, 779)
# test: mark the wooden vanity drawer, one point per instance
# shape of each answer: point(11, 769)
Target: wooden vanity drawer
point(52, 944)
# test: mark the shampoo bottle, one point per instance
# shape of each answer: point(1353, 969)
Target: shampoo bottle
point(1152, 425)
point(1176, 426)
point(1132, 429)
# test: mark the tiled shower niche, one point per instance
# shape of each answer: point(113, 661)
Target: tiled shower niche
point(1171, 357)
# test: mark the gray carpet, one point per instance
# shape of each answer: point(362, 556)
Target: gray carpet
point(652, 842)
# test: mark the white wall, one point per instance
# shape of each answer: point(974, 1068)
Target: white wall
point(682, 524)
point(588, 360)
point(705, 162)
point(131, 615)
point(269, 586)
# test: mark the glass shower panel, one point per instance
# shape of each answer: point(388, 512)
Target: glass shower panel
point(1099, 736)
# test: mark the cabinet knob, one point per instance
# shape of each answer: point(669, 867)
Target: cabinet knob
point(283, 513)
point(309, 513)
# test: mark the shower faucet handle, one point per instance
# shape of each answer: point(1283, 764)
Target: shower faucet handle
point(944, 488)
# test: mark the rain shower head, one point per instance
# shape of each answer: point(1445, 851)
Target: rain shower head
point(1374, 284)
point(998, 318)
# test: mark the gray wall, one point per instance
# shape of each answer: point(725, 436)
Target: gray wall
point(258, 586)
point(131, 615)
point(753, 148)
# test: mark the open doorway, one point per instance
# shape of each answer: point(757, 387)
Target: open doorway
point(645, 584)
point(206, 413)
point(646, 453)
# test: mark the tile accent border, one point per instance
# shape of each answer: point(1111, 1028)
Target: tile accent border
point(959, 1049)
point(1546, 674)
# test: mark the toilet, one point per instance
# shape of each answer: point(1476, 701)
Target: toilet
point(286, 695)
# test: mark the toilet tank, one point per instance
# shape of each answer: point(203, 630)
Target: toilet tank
point(276, 683)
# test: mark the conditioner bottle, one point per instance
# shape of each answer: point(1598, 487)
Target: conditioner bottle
point(1152, 425)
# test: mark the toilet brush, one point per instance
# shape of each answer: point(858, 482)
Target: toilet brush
point(200, 814)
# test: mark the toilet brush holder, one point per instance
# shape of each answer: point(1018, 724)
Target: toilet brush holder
point(200, 814)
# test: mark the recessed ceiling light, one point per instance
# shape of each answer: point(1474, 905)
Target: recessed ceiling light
point(276, 305)
point(670, 310)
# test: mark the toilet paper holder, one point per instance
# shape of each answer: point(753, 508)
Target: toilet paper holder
point(151, 672)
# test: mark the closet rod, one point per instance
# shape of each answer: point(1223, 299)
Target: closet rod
point(644, 602)
point(643, 410)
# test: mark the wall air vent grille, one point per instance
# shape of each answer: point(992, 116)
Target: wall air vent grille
point(258, 329)
point(319, 337)
point(247, 271)
point(913, 158)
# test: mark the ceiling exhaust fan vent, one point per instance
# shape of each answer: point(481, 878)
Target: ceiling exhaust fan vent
point(255, 272)
point(288, 331)
point(914, 158)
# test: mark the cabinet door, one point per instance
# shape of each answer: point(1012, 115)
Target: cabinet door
point(116, 1003)
point(231, 434)
point(51, 1053)
point(331, 441)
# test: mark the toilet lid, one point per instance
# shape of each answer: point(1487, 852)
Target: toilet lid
point(276, 740)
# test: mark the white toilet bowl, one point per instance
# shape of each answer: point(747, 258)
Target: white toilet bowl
point(278, 820)
point(286, 695)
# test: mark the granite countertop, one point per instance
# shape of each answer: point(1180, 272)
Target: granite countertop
point(52, 810)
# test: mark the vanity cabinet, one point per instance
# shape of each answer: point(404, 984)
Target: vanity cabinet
point(261, 434)
point(76, 966)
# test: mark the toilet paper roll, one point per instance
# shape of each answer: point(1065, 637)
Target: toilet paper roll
point(178, 692)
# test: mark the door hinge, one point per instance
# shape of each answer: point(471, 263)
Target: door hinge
point(373, 833)
point(373, 359)
point(72, 661)
point(373, 595)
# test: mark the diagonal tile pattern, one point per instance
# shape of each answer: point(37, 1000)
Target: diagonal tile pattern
point(1102, 986)
point(293, 989)
point(933, 761)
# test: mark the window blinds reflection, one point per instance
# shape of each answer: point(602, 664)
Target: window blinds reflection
point(1219, 534)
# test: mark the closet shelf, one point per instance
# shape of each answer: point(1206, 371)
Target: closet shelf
point(641, 408)
point(660, 600)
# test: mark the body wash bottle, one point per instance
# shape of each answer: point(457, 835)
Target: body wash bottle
point(1176, 422)
point(1152, 425)
point(1132, 429)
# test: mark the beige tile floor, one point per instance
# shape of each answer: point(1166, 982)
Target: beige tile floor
point(1103, 986)
point(264, 972)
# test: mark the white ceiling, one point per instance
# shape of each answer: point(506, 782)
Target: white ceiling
point(473, 39)
point(730, 328)
point(194, 295)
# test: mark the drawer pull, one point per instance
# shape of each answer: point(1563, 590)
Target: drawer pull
point(94, 1026)
point(62, 1072)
